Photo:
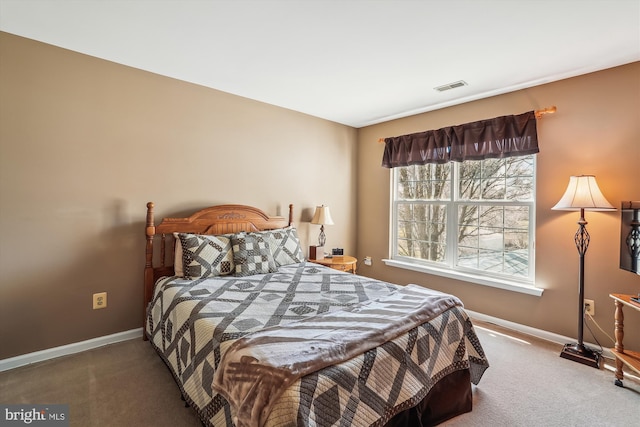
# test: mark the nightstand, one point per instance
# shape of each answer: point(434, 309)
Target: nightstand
point(342, 263)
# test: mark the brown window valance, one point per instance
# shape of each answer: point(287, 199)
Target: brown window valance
point(505, 136)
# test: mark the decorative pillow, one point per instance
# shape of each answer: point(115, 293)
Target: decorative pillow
point(285, 245)
point(252, 255)
point(206, 256)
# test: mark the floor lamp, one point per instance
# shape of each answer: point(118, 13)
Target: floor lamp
point(582, 194)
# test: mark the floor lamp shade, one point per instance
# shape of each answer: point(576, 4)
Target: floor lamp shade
point(582, 194)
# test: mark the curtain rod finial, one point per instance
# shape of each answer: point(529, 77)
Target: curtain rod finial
point(549, 110)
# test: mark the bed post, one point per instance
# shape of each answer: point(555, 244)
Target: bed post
point(291, 214)
point(150, 231)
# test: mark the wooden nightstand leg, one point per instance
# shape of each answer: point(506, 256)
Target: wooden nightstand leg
point(619, 334)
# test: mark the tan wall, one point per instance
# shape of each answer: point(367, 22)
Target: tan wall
point(85, 144)
point(595, 131)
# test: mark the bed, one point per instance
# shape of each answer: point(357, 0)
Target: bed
point(255, 335)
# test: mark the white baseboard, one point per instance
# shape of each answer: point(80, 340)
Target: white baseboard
point(538, 333)
point(51, 353)
point(64, 350)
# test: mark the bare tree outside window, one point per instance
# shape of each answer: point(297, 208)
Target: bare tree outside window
point(473, 215)
point(422, 216)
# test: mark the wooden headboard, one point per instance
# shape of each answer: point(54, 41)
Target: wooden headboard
point(221, 219)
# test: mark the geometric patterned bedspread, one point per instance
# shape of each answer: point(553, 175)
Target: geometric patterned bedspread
point(191, 323)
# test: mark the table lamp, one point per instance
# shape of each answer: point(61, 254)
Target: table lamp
point(322, 216)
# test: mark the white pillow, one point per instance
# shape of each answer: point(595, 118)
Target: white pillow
point(177, 259)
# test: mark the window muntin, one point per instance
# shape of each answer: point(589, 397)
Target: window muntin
point(473, 216)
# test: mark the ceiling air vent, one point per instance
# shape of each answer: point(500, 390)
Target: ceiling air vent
point(450, 86)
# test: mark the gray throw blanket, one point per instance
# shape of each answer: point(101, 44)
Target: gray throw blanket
point(256, 369)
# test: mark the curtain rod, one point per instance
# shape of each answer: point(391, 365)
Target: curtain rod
point(537, 113)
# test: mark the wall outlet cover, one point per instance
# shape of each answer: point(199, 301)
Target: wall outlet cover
point(99, 300)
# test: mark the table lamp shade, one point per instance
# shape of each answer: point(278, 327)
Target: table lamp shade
point(583, 193)
point(322, 216)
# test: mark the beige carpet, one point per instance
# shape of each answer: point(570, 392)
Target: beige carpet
point(528, 384)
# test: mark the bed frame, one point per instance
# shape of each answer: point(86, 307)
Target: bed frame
point(449, 397)
point(221, 219)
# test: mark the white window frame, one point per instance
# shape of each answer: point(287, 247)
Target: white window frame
point(448, 268)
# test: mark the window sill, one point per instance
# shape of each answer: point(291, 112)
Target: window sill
point(495, 283)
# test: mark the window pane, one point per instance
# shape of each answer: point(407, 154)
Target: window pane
point(520, 188)
point(468, 237)
point(517, 262)
point(468, 257)
point(468, 215)
point(520, 166)
point(469, 181)
point(491, 216)
point(514, 240)
point(497, 179)
point(493, 189)
point(429, 182)
point(493, 179)
point(490, 238)
point(491, 261)
point(517, 217)
point(494, 238)
point(520, 178)
point(421, 231)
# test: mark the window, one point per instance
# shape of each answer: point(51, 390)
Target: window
point(473, 218)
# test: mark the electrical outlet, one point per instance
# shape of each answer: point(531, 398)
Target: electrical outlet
point(367, 260)
point(590, 307)
point(100, 300)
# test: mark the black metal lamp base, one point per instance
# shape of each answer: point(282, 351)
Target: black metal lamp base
point(580, 353)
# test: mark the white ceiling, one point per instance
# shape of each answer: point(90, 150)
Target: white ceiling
point(356, 62)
